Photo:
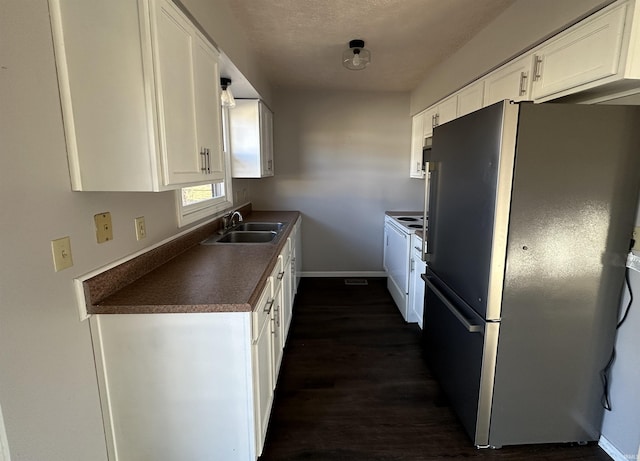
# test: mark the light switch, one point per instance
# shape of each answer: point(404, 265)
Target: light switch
point(104, 231)
point(61, 249)
point(141, 228)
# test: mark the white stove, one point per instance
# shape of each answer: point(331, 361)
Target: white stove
point(399, 238)
point(409, 222)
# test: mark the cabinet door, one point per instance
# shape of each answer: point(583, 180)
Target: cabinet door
point(266, 140)
point(417, 143)
point(107, 109)
point(174, 47)
point(264, 381)
point(470, 98)
point(416, 296)
point(297, 256)
point(430, 121)
point(511, 81)
point(588, 53)
point(447, 110)
point(277, 329)
point(397, 257)
point(287, 293)
point(208, 108)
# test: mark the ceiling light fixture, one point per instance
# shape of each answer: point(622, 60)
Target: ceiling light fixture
point(357, 57)
point(226, 97)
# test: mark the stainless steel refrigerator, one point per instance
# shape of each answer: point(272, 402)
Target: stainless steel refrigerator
point(531, 210)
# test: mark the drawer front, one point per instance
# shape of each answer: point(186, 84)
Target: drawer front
point(277, 274)
point(262, 312)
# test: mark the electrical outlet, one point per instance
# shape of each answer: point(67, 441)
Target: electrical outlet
point(61, 250)
point(636, 238)
point(633, 262)
point(141, 228)
point(104, 231)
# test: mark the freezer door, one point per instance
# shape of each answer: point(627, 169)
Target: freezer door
point(460, 348)
point(471, 172)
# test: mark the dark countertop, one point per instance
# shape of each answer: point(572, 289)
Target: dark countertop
point(205, 278)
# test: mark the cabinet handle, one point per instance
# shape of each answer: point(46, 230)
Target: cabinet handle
point(523, 83)
point(280, 275)
point(203, 155)
point(418, 167)
point(537, 68)
point(208, 161)
point(268, 306)
point(433, 121)
point(412, 266)
point(269, 165)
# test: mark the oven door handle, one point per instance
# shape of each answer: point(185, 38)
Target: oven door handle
point(470, 327)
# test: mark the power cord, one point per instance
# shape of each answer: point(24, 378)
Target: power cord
point(604, 374)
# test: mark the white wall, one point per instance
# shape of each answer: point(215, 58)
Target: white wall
point(342, 159)
point(622, 424)
point(48, 389)
point(521, 25)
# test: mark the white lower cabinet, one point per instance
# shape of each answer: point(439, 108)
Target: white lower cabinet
point(416, 284)
point(263, 373)
point(277, 323)
point(183, 386)
point(396, 265)
point(192, 386)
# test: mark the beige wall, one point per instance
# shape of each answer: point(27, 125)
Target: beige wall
point(521, 25)
point(342, 158)
point(48, 389)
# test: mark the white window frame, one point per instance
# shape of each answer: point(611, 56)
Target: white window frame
point(191, 213)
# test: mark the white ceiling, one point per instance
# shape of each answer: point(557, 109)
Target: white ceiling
point(299, 43)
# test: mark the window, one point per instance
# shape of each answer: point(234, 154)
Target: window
point(198, 202)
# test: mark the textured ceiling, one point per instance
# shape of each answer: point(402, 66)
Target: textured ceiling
point(299, 43)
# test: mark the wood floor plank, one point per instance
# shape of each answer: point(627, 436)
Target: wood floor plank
point(354, 386)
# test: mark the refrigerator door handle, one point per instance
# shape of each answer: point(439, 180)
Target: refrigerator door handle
point(471, 328)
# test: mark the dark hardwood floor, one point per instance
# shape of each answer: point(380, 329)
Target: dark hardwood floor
point(354, 386)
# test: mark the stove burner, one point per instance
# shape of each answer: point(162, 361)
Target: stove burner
point(406, 218)
point(415, 226)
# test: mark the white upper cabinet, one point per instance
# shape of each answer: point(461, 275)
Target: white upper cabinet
point(139, 95)
point(583, 54)
point(422, 128)
point(470, 98)
point(251, 128)
point(417, 143)
point(511, 81)
point(447, 111)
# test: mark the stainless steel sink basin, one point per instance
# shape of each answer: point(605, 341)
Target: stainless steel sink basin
point(259, 226)
point(242, 237)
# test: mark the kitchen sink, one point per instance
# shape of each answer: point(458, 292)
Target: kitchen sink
point(259, 226)
point(248, 232)
point(242, 237)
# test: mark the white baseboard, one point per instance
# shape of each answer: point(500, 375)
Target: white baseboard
point(347, 274)
point(612, 451)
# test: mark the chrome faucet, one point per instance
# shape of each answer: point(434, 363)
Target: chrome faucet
point(228, 220)
point(233, 215)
